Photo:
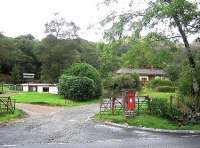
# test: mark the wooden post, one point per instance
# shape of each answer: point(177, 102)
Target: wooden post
point(171, 97)
point(113, 106)
point(138, 100)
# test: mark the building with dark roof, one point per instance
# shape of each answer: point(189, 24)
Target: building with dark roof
point(144, 74)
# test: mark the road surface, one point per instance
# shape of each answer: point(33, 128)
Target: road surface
point(58, 127)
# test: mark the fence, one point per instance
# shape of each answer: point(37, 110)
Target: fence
point(10, 88)
point(7, 105)
point(116, 105)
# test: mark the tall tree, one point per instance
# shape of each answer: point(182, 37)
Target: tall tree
point(174, 14)
point(61, 29)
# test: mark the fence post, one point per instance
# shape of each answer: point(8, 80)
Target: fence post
point(113, 106)
point(138, 100)
point(171, 99)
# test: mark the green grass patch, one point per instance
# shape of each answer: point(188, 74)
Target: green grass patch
point(145, 120)
point(48, 99)
point(153, 94)
point(4, 117)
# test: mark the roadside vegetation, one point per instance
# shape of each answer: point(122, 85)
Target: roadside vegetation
point(48, 99)
point(5, 117)
point(145, 120)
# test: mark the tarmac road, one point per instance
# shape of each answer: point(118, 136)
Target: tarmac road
point(57, 127)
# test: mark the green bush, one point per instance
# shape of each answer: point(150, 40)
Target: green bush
point(185, 82)
point(120, 82)
point(158, 82)
point(86, 70)
point(165, 89)
point(162, 107)
point(76, 88)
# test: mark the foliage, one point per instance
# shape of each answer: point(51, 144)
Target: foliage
point(185, 82)
point(76, 88)
point(8, 117)
point(145, 53)
point(165, 89)
point(158, 82)
point(86, 70)
point(61, 29)
point(163, 108)
point(146, 120)
point(120, 82)
point(16, 74)
point(109, 58)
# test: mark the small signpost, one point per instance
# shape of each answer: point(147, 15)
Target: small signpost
point(28, 76)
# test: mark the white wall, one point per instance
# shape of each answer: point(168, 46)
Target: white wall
point(25, 88)
point(40, 89)
point(53, 89)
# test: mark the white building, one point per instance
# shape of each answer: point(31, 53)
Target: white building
point(38, 87)
point(145, 75)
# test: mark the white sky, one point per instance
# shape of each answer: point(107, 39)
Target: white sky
point(18, 17)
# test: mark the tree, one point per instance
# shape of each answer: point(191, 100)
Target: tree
point(86, 70)
point(109, 59)
point(177, 14)
point(61, 29)
point(16, 75)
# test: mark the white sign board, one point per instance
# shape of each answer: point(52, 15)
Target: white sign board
point(28, 75)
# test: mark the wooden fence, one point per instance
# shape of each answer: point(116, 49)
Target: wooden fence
point(7, 105)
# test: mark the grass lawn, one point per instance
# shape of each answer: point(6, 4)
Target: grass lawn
point(153, 94)
point(145, 120)
point(7, 117)
point(48, 99)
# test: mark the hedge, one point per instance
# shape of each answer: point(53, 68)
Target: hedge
point(76, 88)
point(162, 107)
point(86, 70)
point(165, 89)
point(158, 82)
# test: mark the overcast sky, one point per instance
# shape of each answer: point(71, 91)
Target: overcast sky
point(18, 17)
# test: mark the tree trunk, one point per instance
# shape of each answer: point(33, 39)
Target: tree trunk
point(192, 63)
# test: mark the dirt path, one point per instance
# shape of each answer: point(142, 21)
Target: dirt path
point(38, 109)
point(47, 124)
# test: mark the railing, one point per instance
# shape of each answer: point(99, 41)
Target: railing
point(7, 105)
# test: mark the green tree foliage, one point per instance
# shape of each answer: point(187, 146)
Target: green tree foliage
point(120, 82)
point(47, 58)
point(146, 54)
point(86, 70)
point(109, 58)
point(16, 74)
point(76, 88)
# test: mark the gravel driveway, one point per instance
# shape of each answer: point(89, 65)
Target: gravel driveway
point(47, 124)
point(58, 127)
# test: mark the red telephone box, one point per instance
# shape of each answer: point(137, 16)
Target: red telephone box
point(131, 100)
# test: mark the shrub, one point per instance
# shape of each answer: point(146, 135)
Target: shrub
point(120, 82)
point(162, 107)
point(76, 88)
point(185, 82)
point(165, 89)
point(86, 70)
point(158, 82)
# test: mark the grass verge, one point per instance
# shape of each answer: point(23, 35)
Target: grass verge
point(145, 120)
point(153, 94)
point(48, 99)
point(4, 117)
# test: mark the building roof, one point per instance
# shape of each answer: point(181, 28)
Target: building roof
point(37, 84)
point(141, 71)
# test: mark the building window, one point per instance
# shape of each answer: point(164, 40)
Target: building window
point(45, 89)
point(144, 78)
